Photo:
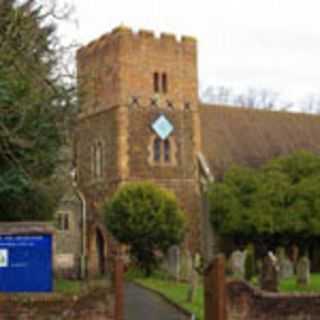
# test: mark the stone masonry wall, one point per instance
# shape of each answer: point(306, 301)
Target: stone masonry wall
point(180, 175)
point(116, 75)
point(121, 64)
point(97, 304)
point(245, 302)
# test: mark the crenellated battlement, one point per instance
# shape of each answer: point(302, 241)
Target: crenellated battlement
point(141, 35)
point(159, 69)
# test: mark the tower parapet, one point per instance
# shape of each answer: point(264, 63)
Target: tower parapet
point(124, 66)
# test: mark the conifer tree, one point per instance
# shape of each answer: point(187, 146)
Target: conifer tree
point(35, 108)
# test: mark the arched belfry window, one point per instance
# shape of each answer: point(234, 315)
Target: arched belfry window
point(156, 79)
point(160, 82)
point(164, 83)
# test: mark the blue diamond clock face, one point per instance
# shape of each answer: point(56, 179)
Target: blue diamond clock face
point(162, 127)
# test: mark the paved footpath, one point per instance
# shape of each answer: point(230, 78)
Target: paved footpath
point(141, 304)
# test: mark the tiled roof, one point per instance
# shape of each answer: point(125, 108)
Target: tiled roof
point(232, 135)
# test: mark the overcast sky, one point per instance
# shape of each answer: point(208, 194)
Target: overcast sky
point(261, 43)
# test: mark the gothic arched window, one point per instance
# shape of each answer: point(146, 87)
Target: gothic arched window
point(162, 152)
point(157, 149)
point(167, 151)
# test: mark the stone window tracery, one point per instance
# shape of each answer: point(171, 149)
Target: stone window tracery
point(167, 150)
point(162, 152)
point(160, 82)
point(157, 149)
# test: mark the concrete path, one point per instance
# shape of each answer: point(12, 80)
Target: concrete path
point(141, 304)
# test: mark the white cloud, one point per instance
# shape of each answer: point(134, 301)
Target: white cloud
point(274, 43)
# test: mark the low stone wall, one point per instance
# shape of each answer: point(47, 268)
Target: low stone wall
point(248, 303)
point(96, 303)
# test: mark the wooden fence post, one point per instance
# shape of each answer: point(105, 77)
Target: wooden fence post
point(215, 290)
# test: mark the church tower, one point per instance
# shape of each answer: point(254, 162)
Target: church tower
point(139, 120)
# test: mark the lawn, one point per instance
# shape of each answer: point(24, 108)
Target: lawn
point(290, 285)
point(72, 287)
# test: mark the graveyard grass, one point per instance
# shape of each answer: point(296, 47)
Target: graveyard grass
point(290, 285)
point(72, 287)
point(177, 291)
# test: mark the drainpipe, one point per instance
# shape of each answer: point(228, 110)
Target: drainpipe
point(83, 223)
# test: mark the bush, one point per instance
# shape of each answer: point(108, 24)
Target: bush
point(147, 218)
point(270, 205)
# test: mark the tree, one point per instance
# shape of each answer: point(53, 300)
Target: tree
point(254, 98)
point(147, 218)
point(274, 205)
point(311, 103)
point(35, 109)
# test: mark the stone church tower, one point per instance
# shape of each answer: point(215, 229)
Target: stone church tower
point(139, 120)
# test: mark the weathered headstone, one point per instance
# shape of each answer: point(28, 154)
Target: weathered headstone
point(269, 273)
point(237, 261)
point(286, 269)
point(294, 254)
point(186, 265)
point(303, 271)
point(193, 281)
point(174, 265)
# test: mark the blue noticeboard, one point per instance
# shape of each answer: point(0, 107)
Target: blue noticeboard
point(26, 263)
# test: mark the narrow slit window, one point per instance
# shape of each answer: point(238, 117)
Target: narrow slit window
point(66, 222)
point(63, 222)
point(93, 161)
point(60, 222)
point(99, 159)
point(157, 149)
point(167, 150)
point(156, 82)
point(164, 83)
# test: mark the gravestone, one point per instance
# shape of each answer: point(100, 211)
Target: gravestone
point(193, 281)
point(269, 273)
point(186, 265)
point(294, 254)
point(286, 269)
point(174, 265)
point(237, 262)
point(303, 271)
point(197, 261)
